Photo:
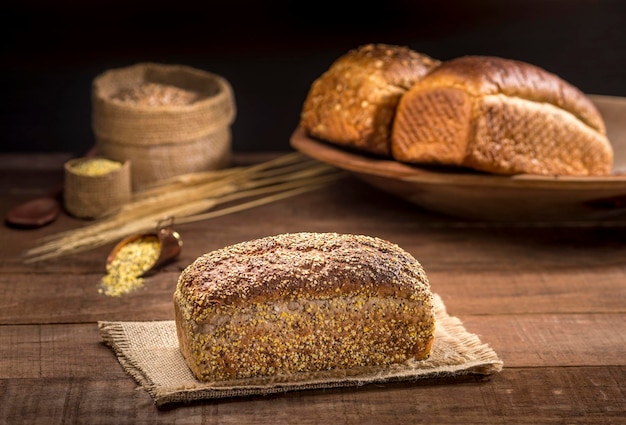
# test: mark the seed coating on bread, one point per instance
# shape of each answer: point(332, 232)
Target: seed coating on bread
point(302, 302)
point(354, 101)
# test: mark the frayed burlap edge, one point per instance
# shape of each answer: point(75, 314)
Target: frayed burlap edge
point(148, 352)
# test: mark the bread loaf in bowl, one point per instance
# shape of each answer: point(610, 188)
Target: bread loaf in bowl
point(353, 103)
point(500, 116)
point(302, 302)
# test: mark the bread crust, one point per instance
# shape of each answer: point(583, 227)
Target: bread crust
point(353, 103)
point(277, 305)
point(501, 116)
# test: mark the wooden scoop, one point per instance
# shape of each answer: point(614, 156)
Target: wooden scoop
point(170, 245)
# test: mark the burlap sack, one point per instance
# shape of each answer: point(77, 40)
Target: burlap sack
point(91, 197)
point(162, 141)
point(148, 351)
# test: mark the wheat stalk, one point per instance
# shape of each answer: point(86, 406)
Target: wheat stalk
point(191, 198)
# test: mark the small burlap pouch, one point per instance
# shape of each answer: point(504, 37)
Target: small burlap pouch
point(160, 132)
point(148, 352)
point(95, 196)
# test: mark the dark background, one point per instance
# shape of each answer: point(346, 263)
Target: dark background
point(271, 51)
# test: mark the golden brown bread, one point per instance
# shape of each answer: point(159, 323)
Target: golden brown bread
point(353, 103)
point(302, 302)
point(501, 116)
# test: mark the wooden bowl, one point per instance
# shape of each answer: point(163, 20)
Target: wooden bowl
point(480, 196)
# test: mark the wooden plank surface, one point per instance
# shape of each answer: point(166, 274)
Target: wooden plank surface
point(516, 396)
point(550, 298)
point(74, 298)
point(521, 341)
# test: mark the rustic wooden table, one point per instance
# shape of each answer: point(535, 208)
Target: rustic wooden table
point(549, 299)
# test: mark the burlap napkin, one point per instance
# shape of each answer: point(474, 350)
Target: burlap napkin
point(148, 351)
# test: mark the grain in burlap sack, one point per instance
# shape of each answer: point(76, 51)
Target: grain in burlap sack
point(95, 196)
point(164, 139)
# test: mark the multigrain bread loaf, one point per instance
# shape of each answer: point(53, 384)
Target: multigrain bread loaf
point(353, 103)
point(500, 116)
point(302, 302)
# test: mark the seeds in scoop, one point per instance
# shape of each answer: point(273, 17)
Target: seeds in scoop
point(96, 167)
point(131, 261)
